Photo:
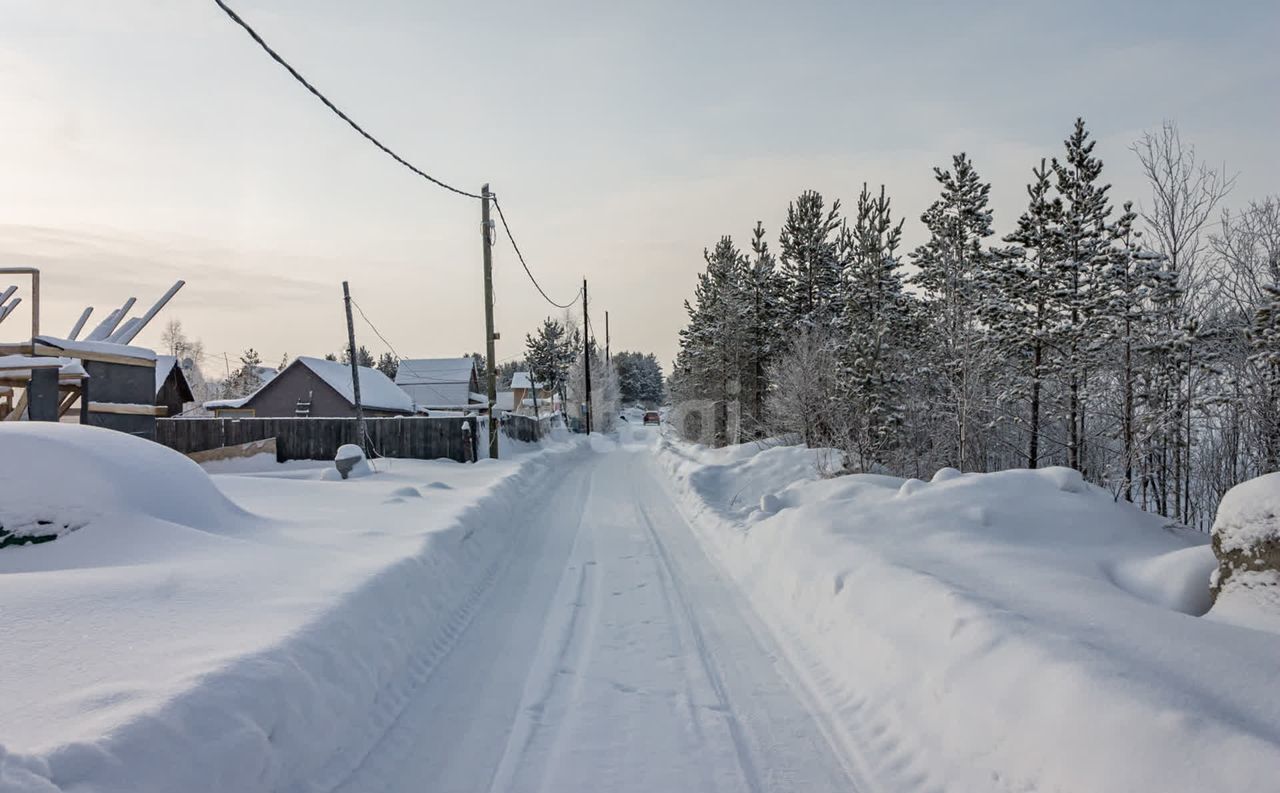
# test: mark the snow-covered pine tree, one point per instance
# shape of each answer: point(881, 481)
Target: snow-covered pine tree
point(1085, 249)
point(1022, 311)
point(876, 311)
point(811, 268)
point(952, 266)
point(388, 364)
point(1131, 277)
point(549, 353)
point(762, 307)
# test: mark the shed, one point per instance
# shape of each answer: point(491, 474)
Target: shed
point(441, 383)
point(173, 391)
point(324, 388)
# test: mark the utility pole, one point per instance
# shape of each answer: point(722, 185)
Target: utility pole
point(355, 366)
point(486, 229)
point(607, 357)
point(586, 350)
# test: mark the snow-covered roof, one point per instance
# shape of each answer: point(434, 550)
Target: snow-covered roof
point(164, 365)
point(413, 371)
point(19, 366)
point(376, 389)
point(227, 403)
point(523, 380)
point(73, 347)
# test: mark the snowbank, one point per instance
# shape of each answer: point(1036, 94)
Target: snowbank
point(179, 641)
point(996, 632)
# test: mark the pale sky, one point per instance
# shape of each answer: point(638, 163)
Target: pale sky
point(147, 140)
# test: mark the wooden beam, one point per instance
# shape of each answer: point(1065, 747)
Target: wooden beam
point(18, 409)
point(127, 410)
point(102, 357)
point(67, 402)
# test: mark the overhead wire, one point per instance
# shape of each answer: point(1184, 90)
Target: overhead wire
point(253, 34)
point(261, 42)
point(520, 256)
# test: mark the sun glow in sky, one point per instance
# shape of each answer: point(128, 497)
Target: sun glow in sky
point(143, 141)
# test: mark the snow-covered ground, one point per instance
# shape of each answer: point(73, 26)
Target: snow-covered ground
point(1000, 632)
point(623, 614)
point(255, 630)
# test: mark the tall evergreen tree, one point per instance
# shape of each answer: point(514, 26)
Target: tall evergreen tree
point(1085, 253)
point(952, 267)
point(811, 268)
point(1022, 310)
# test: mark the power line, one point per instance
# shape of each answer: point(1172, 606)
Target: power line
point(350, 122)
point(297, 76)
point(520, 256)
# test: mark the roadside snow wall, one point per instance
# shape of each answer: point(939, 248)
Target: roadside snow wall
point(993, 632)
point(300, 714)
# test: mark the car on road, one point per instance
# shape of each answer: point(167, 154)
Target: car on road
point(652, 417)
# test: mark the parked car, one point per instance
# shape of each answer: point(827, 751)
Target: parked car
point(652, 417)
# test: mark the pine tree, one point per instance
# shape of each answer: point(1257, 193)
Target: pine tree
point(1084, 255)
point(953, 266)
point(1021, 309)
point(811, 266)
point(875, 315)
point(388, 364)
point(762, 306)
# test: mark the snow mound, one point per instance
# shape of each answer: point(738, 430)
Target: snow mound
point(770, 503)
point(71, 474)
point(910, 486)
point(1178, 580)
point(946, 475)
point(1068, 480)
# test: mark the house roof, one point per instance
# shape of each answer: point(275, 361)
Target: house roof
point(376, 389)
point(165, 364)
point(523, 380)
point(414, 371)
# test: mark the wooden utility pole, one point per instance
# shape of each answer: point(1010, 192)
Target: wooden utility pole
point(586, 351)
point(355, 366)
point(486, 233)
point(607, 356)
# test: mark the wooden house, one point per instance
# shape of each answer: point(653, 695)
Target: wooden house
point(317, 388)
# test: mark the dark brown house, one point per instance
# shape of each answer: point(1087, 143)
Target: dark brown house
point(173, 391)
point(316, 388)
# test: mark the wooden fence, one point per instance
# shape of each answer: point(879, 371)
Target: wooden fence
point(319, 438)
point(526, 428)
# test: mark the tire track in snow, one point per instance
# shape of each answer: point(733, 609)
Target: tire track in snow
point(671, 585)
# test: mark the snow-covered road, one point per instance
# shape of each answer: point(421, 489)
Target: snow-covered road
point(609, 653)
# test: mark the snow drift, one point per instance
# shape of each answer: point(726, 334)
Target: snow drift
point(60, 477)
point(256, 651)
point(993, 632)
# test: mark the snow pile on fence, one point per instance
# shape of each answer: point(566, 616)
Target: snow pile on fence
point(993, 632)
point(179, 642)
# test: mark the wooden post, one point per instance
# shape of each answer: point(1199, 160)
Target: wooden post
point(486, 233)
point(355, 367)
point(586, 351)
